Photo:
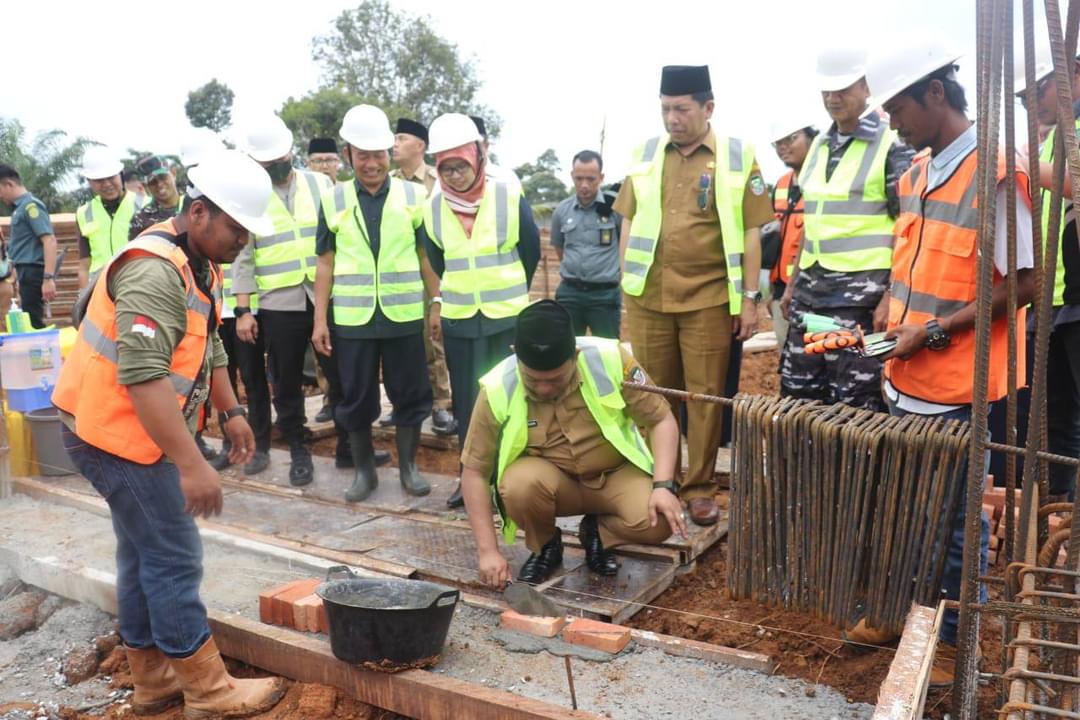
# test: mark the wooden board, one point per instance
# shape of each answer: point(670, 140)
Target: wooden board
point(903, 693)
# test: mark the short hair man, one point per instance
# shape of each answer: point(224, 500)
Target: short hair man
point(585, 234)
point(32, 246)
point(159, 177)
point(323, 157)
point(105, 221)
point(563, 398)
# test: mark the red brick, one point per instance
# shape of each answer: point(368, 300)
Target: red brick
point(266, 604)
point(282, 602)
point(305, 613)
point(533, 625)
point(322, 624)
point(600, 636)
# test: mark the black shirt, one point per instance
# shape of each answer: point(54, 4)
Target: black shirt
point(380, 326)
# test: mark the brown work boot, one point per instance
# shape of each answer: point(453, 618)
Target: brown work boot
point(211, 692)
point(863, 634)
point(703, 511)
point(943, 670)
point(156, 688)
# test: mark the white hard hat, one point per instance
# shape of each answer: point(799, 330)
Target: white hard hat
point(1044, 68)
point(906, 63)
point(786, 126)
point(269, 139)
point(840, 67)
point(197, 144)
point(236, 184)
point(450, 131)
point(366, 127)
point(100, 162)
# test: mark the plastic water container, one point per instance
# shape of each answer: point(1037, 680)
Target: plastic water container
point(29, 368)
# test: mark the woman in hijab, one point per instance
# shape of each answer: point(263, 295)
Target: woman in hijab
point(483, 243)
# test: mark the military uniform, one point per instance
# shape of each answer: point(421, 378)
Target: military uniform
point(29, 223)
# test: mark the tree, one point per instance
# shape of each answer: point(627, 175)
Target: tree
point(210, 106)
point(317, 114)
point(398, 62)
point(48, 165)
point(540, 180)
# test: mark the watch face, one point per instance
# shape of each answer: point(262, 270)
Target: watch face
point(939, 340)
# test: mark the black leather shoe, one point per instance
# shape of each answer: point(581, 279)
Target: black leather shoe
point(443, 423)
point(325, 415)
point(301, 469)
point(599, 560)
point(539, 566)
point(456, 500)
point(258, 462)
point(208, 452)
point(221, 461)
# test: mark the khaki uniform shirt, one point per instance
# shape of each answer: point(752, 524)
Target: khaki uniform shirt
point(424, 175)
point(563, 431)
point(689, 271)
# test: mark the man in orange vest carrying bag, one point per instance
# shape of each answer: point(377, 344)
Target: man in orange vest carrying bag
point(131, 396)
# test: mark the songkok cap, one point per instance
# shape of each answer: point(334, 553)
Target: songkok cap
point(685, 80)
point(411, 127)
point(322, 145)
point(544, 336)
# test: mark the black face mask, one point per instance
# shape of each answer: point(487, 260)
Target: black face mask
point(279, 170)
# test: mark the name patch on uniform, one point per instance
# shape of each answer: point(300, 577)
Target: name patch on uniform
point(534, 423)
point(144, 326)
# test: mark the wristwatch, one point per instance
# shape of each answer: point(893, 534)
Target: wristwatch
point(235, 411)
point(752, 295)
point(48, 276)
point(666, 485)
point(435, 300)
point(241, 310)
point(936, 337)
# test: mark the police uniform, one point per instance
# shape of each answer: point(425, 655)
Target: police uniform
point(588, 238)
point(29, 223)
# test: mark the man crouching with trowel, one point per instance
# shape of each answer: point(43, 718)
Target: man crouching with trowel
point(559, 436)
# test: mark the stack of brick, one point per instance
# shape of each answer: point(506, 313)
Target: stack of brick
point(588, 633)
point(994, 508)
point(294, 605)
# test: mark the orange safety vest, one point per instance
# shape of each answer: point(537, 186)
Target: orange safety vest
point(934, 276)
point(791, 228)
point(88, 387)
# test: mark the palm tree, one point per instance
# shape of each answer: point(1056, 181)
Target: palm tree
point(48, 165)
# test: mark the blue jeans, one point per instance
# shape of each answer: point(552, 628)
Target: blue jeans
point(953, 575)
point(158, 550)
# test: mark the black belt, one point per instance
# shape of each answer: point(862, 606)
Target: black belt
point(583, 285)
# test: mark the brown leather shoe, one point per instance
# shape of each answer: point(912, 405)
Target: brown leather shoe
point(703, 511)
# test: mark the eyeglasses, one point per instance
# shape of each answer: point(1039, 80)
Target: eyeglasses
point(789, 140)
point(448, 171)
point(324, 161)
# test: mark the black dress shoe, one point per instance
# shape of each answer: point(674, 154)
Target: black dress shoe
point(443, 423)
point(456, 500)
point(208, 452)
point(539, 566)
point(325, 414)
point(599, 560)
point(301, 469)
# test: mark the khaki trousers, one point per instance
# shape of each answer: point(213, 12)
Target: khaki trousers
point(688, 351)
point(535, 492)
point(436, 362)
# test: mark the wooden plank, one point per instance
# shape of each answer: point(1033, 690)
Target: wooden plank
point(903, 693)
point(703, 651)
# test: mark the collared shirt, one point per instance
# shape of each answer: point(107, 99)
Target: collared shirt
point(819, 287)
point(29, 223)
point(288, 299)
point(689, 271)
point(589, 238)
point(424, 175)
point(371, 206)
point(563, 430)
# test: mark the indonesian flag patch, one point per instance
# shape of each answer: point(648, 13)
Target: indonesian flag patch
point(143, 325)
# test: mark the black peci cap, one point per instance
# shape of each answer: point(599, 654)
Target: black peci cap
point(544, 336)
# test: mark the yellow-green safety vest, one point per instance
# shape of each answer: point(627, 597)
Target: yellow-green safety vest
point(226, 288)
point(601, 370)
point(394, 279)
point(106, 234)
point(483, 273)
point(286, 257)
point(1046, 155)
point(846, 221)
point(734, 161)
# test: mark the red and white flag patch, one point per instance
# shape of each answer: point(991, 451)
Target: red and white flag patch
point(144, 326)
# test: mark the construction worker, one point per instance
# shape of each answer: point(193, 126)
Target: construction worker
point(369, 244)
point(280, 269)
point(931, 300)
point(1063, 360)
point(131, 395)
point(585, 235)
point(31, 248)
point(323, 157)
point(560, 437)
point(484, 246)
point(159, 177)
point(105, 221)
point(791, 145)
point(848, 186)
point(692, 207)
point(410, 144)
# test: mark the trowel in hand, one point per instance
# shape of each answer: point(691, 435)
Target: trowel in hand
point(527, 600)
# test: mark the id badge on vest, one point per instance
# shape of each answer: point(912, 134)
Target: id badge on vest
point(607, 231)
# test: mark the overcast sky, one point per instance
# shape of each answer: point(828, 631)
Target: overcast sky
point(555, 71)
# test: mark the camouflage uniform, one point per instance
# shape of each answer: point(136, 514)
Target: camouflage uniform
point(849, 298)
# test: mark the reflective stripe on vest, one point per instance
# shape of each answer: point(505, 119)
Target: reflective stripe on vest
point(106, 234)
point(227, 294)
point(483, 272)
point(734, 161)
point(600, 367)
point(88, 388)
point(286, 257)
point(934, 276)
point(359, 278)
point(846, 222)
point(1046, 155)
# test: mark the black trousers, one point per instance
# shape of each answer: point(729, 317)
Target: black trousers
point(249, 362)
point(1063, 404)
point(468, 359)
point(287, 335)
point(404, 373)
point(30, 300)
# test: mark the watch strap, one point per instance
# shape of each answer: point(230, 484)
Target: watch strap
point(665, 484)
point(234, 411)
